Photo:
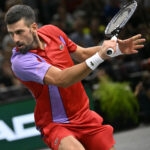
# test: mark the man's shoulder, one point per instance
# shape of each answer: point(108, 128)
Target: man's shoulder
point(18, 58)
point(47, 29)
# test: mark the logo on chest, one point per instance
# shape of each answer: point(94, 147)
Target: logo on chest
point(61, 46)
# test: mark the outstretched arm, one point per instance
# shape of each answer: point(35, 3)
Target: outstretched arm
point(127, 46)
point(78, 72)
point(68, 76)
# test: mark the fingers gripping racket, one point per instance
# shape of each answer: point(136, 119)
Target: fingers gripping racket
point(119, 21)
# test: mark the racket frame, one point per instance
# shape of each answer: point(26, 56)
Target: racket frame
point(115, 32)
point(117, 29)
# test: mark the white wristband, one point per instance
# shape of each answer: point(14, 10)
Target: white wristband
point(94, 61)
point(117, 53)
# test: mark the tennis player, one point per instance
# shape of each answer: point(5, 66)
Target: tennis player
point(43, 61)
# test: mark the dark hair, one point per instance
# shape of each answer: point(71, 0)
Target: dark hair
point(18, 12)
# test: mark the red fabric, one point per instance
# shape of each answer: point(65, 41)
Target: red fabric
point(90, 132)
point(82, 123)
point(56, 53)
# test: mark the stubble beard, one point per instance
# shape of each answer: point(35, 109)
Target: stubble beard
point(27, 48)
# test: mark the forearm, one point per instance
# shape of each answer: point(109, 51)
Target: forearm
point(91, 51)
point(68, 76)
point(94, 56)
point(81, 54)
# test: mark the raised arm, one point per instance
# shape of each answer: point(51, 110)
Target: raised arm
point(127, 46)
point(78, 72)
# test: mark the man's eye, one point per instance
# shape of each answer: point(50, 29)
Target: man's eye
point(18, 32)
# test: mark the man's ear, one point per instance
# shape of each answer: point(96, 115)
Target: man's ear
point(34, 26)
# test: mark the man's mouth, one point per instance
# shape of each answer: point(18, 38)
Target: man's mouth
point(20, 45)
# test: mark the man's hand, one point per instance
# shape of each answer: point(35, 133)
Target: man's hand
point(131, 45)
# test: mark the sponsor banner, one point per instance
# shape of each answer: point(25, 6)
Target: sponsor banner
point(17, 128)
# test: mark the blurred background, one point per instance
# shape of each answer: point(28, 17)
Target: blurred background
point(119, 89)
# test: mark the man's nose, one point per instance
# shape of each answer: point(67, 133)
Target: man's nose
point(15, 38)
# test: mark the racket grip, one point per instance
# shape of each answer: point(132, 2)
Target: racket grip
point(110, 51)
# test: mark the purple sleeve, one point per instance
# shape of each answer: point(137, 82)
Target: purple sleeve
point(29, 67)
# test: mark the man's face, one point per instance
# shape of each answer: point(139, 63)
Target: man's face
point(22, 35)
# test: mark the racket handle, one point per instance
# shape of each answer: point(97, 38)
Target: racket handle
point(110, 51)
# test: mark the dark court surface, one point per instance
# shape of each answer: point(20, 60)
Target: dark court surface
point(134, 139)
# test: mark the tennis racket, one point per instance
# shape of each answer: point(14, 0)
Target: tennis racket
point(119, 21)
